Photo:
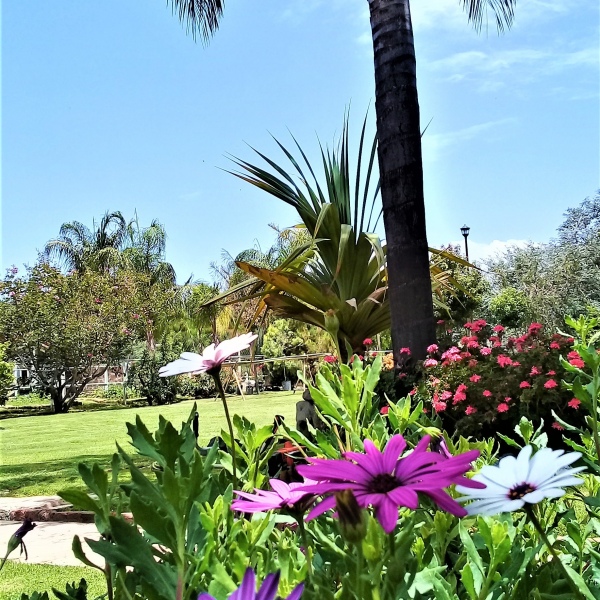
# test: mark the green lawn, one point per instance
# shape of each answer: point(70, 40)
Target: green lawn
point(21, 578)
point(39, 454)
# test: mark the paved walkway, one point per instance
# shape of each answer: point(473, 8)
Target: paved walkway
point(49, 542)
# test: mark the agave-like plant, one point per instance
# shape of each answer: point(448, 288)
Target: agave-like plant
point(338, 280)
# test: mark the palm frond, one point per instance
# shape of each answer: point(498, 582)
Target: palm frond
point(199, 16)
point(502, 10)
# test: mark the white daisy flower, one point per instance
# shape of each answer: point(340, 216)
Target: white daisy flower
point(210, 360)
point(513, 482)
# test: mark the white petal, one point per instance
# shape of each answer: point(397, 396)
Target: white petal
point(542, 466)
point(538, 495)
point(502, 475)
point(522, 464)
point(561, 480)
point(546, 466)
point(193, 362)
point(492, 489)
point(209, 352)
point(494, 508)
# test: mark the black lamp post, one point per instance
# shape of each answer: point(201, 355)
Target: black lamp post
point(465, 231)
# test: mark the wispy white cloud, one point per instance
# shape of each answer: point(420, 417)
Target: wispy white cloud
point(480, 251)
point(434, 143)
point(491, 71)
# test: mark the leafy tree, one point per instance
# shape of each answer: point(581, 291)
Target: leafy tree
point(399, 151)
point(287, 337)
point(197, 322)
point(510, 307)
point(467, 295)
point(6, 373)
point(240, 306)
point(115, 245)
point(559, 277)
point(581, 224)
point(67, 329)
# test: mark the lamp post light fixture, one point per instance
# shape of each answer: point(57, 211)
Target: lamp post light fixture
point(465, 231)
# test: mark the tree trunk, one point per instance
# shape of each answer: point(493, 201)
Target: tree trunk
point(58, 404)
point(401, 172)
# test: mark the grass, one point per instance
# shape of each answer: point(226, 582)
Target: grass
point(21, 578)
point(39, 454)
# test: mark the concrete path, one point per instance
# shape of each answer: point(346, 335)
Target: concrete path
point(49, 542)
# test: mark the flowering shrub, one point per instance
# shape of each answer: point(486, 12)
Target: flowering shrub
point(380, 507)
point(487, 381)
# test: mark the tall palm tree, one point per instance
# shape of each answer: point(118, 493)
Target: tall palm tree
point(399, 151)
point(80, 248)
point(144, 252)
point(401, 165)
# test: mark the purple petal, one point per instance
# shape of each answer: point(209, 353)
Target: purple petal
point(404, 496)
point(394, 448)
point(335, 470)
point(252, 507)
point(320, 508)
point(372, 463)
point(246, 591)
point(280, 487)
point(205, 596)
point(387, 515)
point(296, 592)
point(328, 487)
point(268, 590)
point(445, 502)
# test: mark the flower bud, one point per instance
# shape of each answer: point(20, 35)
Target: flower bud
point(351, 518)
point(332, 323)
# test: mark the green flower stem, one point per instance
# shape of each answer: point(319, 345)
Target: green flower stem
point(595, 413)
point(229, 424)
point(360, 561)
point(108, 577)
point(538, 526)
point(307, 546)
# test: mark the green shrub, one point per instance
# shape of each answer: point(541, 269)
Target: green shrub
point(143, 375)
point(510, 307)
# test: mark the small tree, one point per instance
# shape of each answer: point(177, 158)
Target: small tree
point(143, 374)
point(6, 373)
point(67, 329)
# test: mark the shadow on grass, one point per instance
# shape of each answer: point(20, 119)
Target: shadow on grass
point(49, 477)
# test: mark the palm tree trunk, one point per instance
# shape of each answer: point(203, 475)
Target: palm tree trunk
point(401, 172)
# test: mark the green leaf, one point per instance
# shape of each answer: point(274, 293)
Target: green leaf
point(131, 549)
point(476, 566)
point(469, 582)
point(79, 553)
point(80, 499)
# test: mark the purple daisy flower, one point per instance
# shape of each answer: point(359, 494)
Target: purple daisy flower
point(387, 480)
point(287, 496)
point(267, 591)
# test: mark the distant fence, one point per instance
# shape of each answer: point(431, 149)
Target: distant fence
point(117, 374)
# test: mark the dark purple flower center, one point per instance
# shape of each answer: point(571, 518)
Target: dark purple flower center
point(520, 490)
point(384, 483)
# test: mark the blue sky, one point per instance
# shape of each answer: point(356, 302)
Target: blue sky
point(110, 106)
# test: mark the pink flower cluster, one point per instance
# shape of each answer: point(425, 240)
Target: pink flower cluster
point(485, 373)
